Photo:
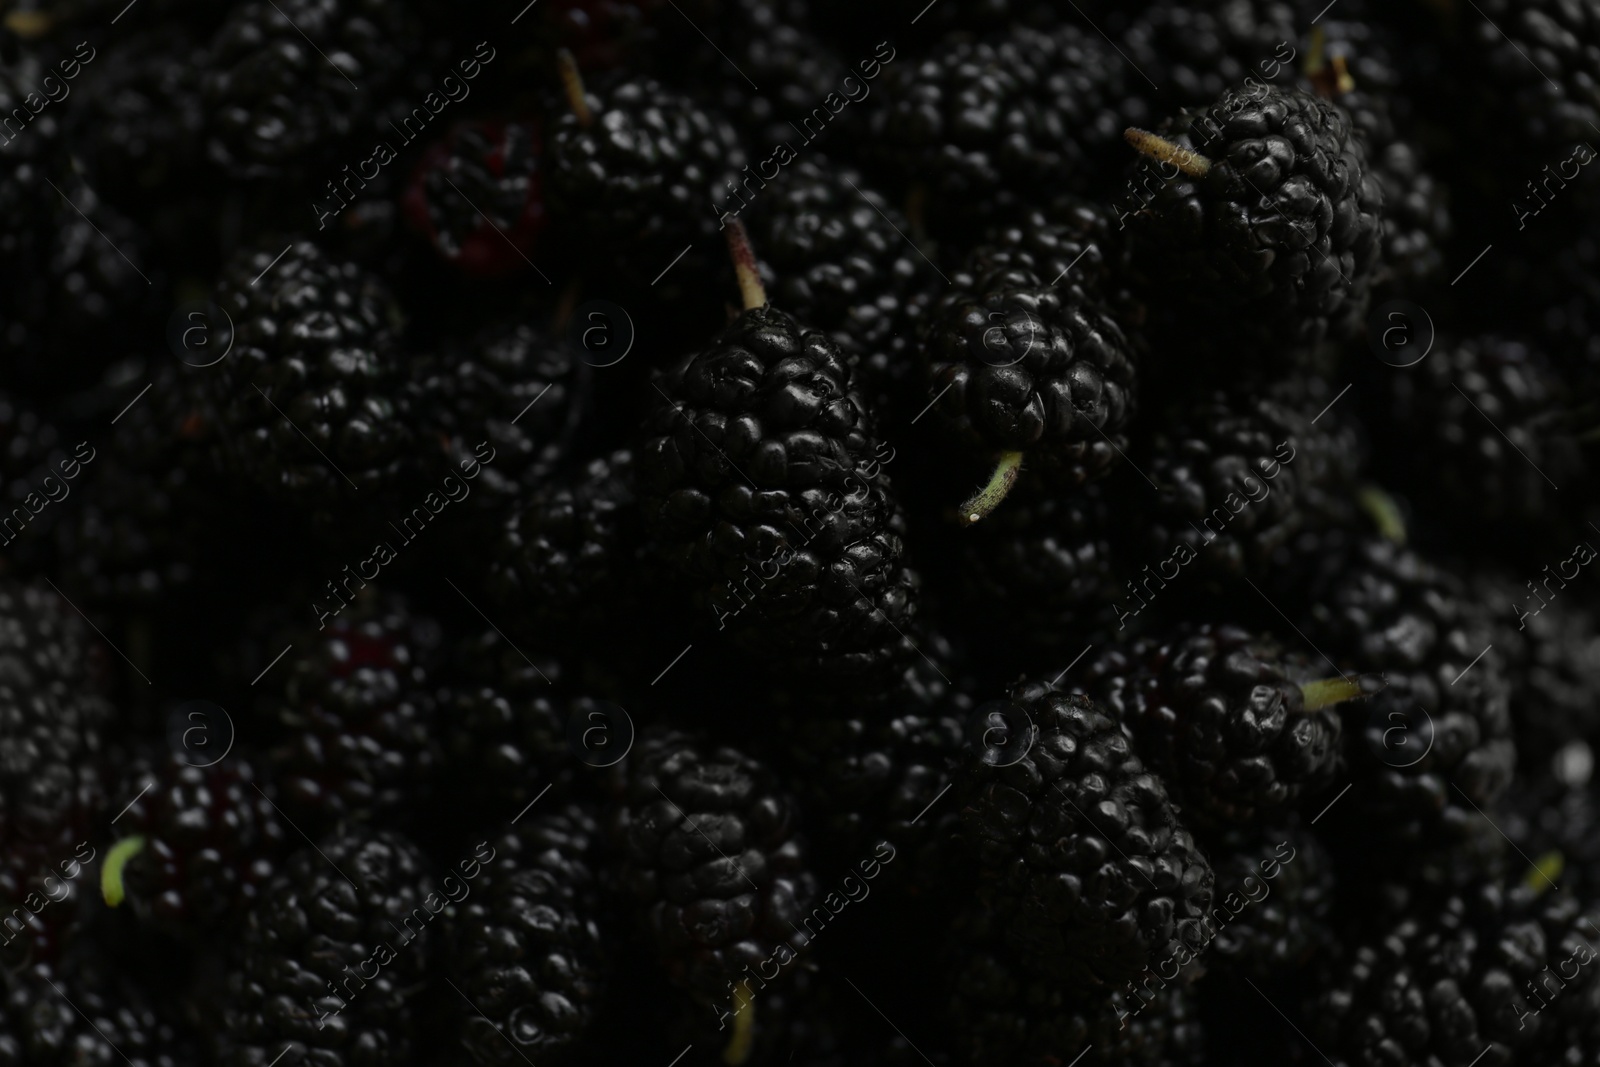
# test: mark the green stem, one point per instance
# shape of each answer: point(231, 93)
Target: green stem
point(111, 886)
point(985, 500)
point(572, 85)
point(1162, 150)
point(751, 291)
point(1545, 871)
point(742, 1041)
point(1327, 692)
point(1384, 511)
point(29, 24)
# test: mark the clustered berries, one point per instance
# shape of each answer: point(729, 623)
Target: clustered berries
point(992, 533)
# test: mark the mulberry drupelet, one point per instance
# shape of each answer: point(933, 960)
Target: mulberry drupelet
point(712, 858)
point(1240, 729)
point(1091, 873)
point(1263, 230)
point(763, 482)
